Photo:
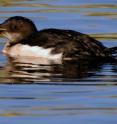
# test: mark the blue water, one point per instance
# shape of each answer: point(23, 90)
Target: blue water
point(71, 93)
point(58, 104)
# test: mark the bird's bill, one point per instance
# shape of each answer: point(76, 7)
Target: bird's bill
point(2, 29)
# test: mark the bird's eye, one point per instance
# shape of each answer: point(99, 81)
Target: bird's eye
point(14, 27)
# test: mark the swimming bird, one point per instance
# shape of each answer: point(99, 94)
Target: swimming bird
point(25, 40)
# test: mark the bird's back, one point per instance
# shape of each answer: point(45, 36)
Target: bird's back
point(71, 43)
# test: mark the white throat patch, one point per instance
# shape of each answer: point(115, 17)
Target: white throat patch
point(11, 36)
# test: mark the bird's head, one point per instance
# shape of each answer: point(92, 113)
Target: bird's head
point(17, 28)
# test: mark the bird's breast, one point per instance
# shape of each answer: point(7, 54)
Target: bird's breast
point(31, 51)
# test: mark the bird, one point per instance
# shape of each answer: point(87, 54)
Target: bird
point(25, 40)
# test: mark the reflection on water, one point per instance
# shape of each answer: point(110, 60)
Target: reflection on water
point(90, 96)
point(88, 8)
point(30, 70)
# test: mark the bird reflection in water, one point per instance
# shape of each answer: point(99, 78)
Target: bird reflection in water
point(32, 70)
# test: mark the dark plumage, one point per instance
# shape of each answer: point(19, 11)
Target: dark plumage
point(72, 44)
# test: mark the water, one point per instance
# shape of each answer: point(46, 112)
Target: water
point(70, 93)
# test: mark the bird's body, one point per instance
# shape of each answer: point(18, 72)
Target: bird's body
point(53, 44)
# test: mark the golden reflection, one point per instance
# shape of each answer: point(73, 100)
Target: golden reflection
point(90, 13)
point(12, 114)
point(113, 14)
point(40, 11)
point(8, 2)
point(105, 36)
point(87, 9)
point(5, 2)
point(65, 6)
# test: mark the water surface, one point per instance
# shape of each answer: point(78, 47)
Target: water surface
point(69, 93)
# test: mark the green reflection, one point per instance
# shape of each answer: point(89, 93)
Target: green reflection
point(105, 36)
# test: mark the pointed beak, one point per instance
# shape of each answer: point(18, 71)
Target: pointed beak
point(2, 29)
